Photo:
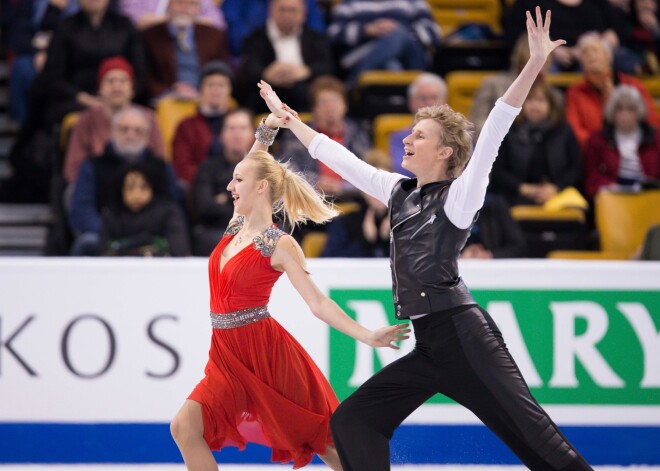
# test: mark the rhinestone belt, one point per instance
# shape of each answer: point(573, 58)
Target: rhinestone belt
point(231, 320)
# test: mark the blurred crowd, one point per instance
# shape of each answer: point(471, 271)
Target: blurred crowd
point(133, 113)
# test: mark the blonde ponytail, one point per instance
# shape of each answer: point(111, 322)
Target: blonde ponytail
point(291, 194)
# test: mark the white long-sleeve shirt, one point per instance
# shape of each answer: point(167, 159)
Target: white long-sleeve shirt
point(466, 194)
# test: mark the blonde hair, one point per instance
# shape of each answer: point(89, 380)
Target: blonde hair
point(455, 132)
point(290, 193)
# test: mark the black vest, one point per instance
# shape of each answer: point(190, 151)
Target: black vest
point(424, 250)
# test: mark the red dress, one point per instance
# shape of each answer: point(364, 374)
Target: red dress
point(260, 385)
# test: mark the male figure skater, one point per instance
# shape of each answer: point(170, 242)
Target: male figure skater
point(459, 350)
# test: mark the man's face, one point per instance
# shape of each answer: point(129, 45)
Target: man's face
point(426, 94)
point(116, 88)
point(215, 92)
point(237, 136)
point(422, 148)
point(130, 134)
point(288, 15)
point(183, 13)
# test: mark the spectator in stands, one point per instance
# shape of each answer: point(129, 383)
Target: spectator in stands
point(68, 83)
point(645, 37)
point(365, 232)
point(178, 49)
point(627, 150)
point(585, 99)
point(495, 234)
point(91, 132)
point(245, 16)
point(138, 222)
point(570, 20)
point(79, 45)
point(494, 86)
point(383, 34)
point(213, 206)
point(329, 107)
point(92, 192)
point(198, 136)
point(426, 90)
point(146, 13)
point(539, 156)
point(639, 35)
point(286, 53)
point(31, 28)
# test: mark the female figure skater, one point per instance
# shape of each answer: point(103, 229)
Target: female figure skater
point(260, 385)
point(459, 349)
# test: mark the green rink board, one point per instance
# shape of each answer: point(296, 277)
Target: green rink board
point(603, 320)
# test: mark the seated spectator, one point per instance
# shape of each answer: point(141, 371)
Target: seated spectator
point(329, 106)
point(494, 86)
point(585, 100)
point(539, 156)
point(92, 192)
point(91, 132)
point(197, 137)
point(285, 53)
point(366, 232)
point(146, 13)
point(383, 34)
point(213, 206)
point(639, 36)
point(31, 28)
point(247, 15)
point(495, 234)
point(79, 45)
point(426, 90)
point(645, 40)
point(68, 83)
point(627, 150)
point(140, 223)
point(571, 19)
point(178, 49)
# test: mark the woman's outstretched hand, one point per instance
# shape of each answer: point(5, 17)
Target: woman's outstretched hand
point(538, 33)
point(384, 336)
point(273, 102)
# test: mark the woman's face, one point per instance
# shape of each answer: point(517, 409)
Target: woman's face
point(215, 91)
point(136, 191)
point(625, 118)
point(237, 136)
point(329, 107)
point(244, 186)
point(536, 107)
point(594, 57)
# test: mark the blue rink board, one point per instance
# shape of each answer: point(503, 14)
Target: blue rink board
point(412, 444)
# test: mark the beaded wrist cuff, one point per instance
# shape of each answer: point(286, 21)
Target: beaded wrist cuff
point(264, 134)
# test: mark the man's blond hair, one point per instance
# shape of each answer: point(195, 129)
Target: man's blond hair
point(456, 133)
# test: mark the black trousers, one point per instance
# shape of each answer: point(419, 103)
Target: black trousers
point(459, 353)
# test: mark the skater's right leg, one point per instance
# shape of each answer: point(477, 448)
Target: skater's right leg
point(187, 429)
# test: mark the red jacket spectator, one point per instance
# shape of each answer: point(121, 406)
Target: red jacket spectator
point(191, 145)
point(584, 106)
point(602, 158)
